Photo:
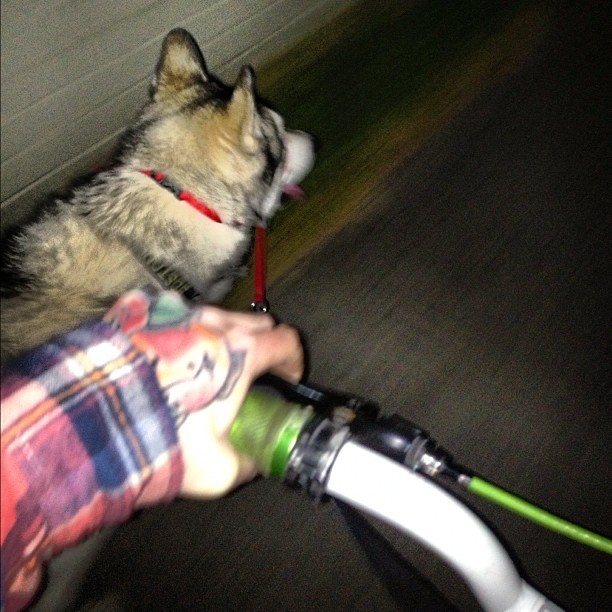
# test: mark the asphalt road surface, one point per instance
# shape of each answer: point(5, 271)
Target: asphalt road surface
point(473, 298)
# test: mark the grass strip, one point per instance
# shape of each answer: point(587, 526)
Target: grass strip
point(373, 85)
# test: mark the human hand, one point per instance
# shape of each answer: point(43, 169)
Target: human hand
point(205, 360)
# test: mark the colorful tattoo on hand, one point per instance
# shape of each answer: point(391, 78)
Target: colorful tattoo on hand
point(194, 364)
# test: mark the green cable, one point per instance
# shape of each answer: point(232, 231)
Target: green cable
point(537, 515)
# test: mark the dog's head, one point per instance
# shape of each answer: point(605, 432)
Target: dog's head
point(218, 142)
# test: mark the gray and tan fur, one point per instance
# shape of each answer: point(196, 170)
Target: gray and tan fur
point(215, 142)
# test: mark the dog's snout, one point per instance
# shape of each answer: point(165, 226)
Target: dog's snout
point(299, 156)
point(315, 142)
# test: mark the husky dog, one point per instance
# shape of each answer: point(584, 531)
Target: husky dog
point(201, 166)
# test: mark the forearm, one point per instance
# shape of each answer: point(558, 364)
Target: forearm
point(87, 437)
point(90, 421)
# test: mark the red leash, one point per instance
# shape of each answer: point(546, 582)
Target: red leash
point(260, 303)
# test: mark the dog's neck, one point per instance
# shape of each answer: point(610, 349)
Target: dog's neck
point(200, 205)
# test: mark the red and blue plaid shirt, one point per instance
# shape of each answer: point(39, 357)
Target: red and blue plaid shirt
point(87, 438)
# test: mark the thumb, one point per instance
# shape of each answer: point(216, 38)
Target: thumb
point(279, 351)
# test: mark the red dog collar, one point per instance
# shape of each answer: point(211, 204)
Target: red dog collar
point(184, 196)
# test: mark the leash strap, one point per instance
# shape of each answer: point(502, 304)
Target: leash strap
point(259, 303)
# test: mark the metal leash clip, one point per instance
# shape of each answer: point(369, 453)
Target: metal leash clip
point(260, 306)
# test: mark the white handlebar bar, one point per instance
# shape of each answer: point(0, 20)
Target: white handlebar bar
point(418, 507)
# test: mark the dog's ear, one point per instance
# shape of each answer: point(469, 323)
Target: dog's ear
point(242, 110)
point(180, 64)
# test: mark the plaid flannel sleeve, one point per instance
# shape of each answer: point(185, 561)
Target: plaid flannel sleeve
point(87, 438)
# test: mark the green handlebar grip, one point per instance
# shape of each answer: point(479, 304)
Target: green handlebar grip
point(267, 429)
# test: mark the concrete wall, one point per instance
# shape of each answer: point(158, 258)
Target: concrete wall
point(75, 72)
